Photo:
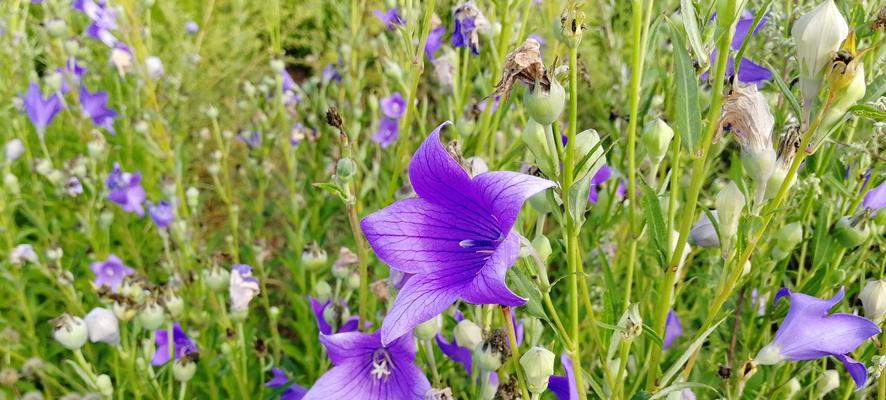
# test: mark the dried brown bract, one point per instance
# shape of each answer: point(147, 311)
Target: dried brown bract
point(524, 65)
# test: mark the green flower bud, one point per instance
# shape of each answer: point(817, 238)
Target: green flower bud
point(538, 364)
point(192, 196)
point(323, 291)
point(847, 97)
point(541, 143)
point(730, 203)
point(428, 329)
point(543, 246)
point(849, 233)
point(183, 369)
point(151, 316)
point(217, 278)
point(10, 181)
point(56, 27)
point(759, 165)
point(656, 139)
point(313, 257)
point(468, 334)
point(353, 281)
point(174, 304)
point(543, 106)
point(873, 299)
point(572, 25)
point(70, 331)
point(345, 169)
point(586, 142)
point(104, 385)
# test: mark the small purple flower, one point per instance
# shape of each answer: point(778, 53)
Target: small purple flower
point(110, 272)
point(95, 107)
point(875, 199)
point(251, 138)
point(41, 111)
point(393, 106)
point(390, 18)
point(73, 70)
point(564, 386)
point(192, 28)
point(163, 213)
point(103, 17)
point(367, 369)
point(456, 236)
point(349, 325)
point(602, 175)
point(73, 187)
point(125, 189)
point(330, 74)
point(181, 345)
point(292, 392)
point(495, 102)
point(673, 329)
point(434, 42)
point(808, 333)
point(387, 132)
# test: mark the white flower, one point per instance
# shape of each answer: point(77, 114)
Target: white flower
point(103, 326)
point(243, 287)
point(154, 67)
point(818, 35)
point(538, 362)
point(14, 149)
point(873, 298)
point(23, 253)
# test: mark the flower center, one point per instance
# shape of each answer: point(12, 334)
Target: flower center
point(109, 271)
point(381, 364)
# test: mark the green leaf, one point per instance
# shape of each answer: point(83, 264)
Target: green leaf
point(687, 116)
point(656, 223)
point(675, 368)
point(690, 25)
point(868, 111)
point(332, 189)
point(652, 335)
point(522, 285)
point(875, 89)
point(786, 91)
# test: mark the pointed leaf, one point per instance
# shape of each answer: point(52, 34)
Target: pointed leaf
point(687, 116)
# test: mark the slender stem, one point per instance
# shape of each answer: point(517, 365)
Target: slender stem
point(515, 350)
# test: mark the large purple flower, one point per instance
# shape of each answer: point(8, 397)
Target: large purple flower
point(390, 18)
point(808, 332)
point(110, 272)
point(393, 106)
point(673, 329)
point(41, 111)
point(748, 71)
point(364, 368)
point(348, 325)
point(126, 190)
point(95, 107)
point(292, 392)
point(875, 199)
point(387, 133)
point(564, 386)
point(163, 213)
point(456, 236)
point(181, 344)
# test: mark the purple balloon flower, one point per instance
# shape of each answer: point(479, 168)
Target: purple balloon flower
point(181, 345)
point(192, 28)
point(349, 325)
point(434, 42)
point(748, 72)
point(292, 392)
point(163, 213)
point(110, 272)
point(387, 132)
point(73, 70)
point(364, 368)
point(95, 107)
point(602, 175)
point(104, 20)
point(564, 386)
point(393, 106)
point(41, 111)
point(390, 18)
point(875, 199)
point(808, 333)
point(126, 190)
point(456, 236)
point(469, 21)
point(673, 329)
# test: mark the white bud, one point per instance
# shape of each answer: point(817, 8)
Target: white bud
point(104, 385)
point(538, 364)
point(277, 65)
point(103, 326)
point(703, 233)
point(14, 149)
point(828, 381)
point(154, 67)
point(486, 358)
point(818, 35)
point(183, 369)
point(656, 139)
point(151, 316)
point(586, 142)
point(10, 181)
point(791, 388)
point(70, 331)
point(541, 143)
point(730, 203)
point(468, 334)
point(873, 298)
point(428, 329)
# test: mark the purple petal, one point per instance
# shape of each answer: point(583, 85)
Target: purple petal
point(489, 287)
point(456, 353)
point(387, 133)
point(876, 198)
point(743, 26)
point(750, 72)
point(422, 298)
point(393, 106)
point(279, 378)
point(318, 309)
point(436, 177)
point(856, 369)
point(504, 193)
point(564, 386)
point(294, 392)
point(673, 329)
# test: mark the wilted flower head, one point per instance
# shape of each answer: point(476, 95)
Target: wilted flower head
point(746, 114)
point(524, 65)
point(125, 189)
point(444, 68)
point(179, 345)
point(41, 111)
point(365, 368)
point(469, 23)
point(23, 253)
point(243, 287)
point(808, 333)
point(292, 392)
point(121, 57)
point(163, 213)
point(110, 272)
point(95, 107)
point(456, 236)
point(390, 18)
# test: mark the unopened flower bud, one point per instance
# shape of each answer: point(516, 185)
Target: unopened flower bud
point(588, 147)
point(56, 27)
point(818, 35)
point(543, 246)
point(730, 203)
point(104, 385)
point(277, 65)
point(846, 97)
point(10, 182)
point(174, 304)
point(154, 67)
point(786, 238)
point(217, 278)
point(656, 139)
point(193, 197)
point(703, 233)
point(468, 334)
point(151, 316)
point(545, 106)
point(103, 326)
point(828, 381)
point(323, 291)
point(313, 256)
point(353, 281)
point(70, 331)
point(789, 389)
point(486, 357)
point(345, 169)
point(541, 143)
point(14, 149)
point(43, 167)
point(538, 364)
point(631, 323)
point(850, 233)
point(572, 25)
point(428, 329)
point(873, 298)
point(183, 369)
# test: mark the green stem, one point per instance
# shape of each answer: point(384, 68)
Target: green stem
point(515, 350)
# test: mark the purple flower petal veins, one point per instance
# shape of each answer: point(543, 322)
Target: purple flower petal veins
point(125, 189)
point(808, 333)
point(181, 345)
point(41, 111)
point(110, 272)
point(95, 106)
point(364, 368)
point(673, 329)
point(456, 236)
